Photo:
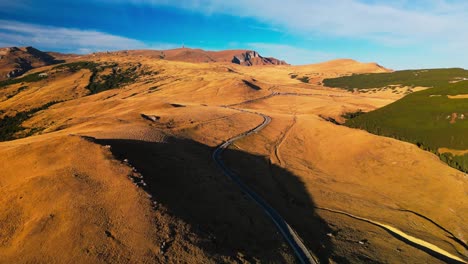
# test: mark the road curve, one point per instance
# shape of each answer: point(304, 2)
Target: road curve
point(286, 231)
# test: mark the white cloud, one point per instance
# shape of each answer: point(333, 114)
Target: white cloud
point(407, 32)
point(13, 33)
point(410, 21)
point(291, 54)
point(435, 30)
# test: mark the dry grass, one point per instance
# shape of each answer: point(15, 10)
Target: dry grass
point(298, 166)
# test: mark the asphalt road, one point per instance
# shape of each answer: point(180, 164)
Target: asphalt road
point(302, 253)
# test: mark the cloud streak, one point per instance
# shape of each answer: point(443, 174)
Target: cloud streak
point(13, 33)
point(373, 20)
point(290, 53)
point(404, 33)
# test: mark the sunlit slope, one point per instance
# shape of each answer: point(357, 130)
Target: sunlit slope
point(162, 119)
point(74, 199)
point(336, 168)
point(434, 118)
point(135, 81)
point(117, 83)
point(57, 174)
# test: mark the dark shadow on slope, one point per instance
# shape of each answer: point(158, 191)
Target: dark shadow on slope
point(44, 56)
point(182, 176)
point(288, 195)
point(251, 85)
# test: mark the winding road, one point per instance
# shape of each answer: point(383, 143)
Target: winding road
point(285, 229)
point(292, 238)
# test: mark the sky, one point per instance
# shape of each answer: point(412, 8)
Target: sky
point(398, 34)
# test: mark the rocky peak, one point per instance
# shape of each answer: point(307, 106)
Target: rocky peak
point(251, 57)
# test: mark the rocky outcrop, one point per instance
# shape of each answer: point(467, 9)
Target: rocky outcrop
point(22, 65)
point(245, 58)
point(251, 57)
point(15, 73)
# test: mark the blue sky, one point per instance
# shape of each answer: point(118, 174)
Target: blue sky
point(398, 34)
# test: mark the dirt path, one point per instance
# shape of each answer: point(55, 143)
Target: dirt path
point(281, 140)
point(425, 246)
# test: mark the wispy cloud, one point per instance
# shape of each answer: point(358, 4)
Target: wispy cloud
point(13, 33)
point(401, 33)
point(423, 33)
point(265, 28)
point(291, 54)
point(410, 21)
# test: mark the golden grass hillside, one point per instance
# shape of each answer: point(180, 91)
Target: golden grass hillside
point(125, 175)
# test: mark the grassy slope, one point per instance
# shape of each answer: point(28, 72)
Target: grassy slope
point(33, 77)
point(99, 83)
point(427, 78)
point(418, 117)
point(11, 125)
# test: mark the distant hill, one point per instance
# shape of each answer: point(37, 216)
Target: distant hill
point(62, 56)
point(16, 61)
point(241, 57)
point(347, 66)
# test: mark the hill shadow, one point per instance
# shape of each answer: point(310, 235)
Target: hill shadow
point(181, 175)
point(287, 194)
point(44, 56)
